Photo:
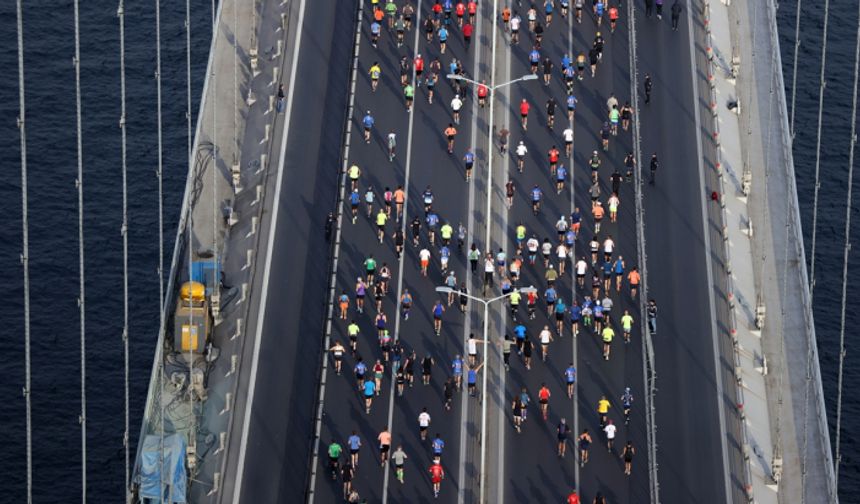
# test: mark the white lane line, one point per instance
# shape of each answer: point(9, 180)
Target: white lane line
point(573, 262)
point(393, 391)
point(467, 320)
point(503, 375)
point(261, 316)
point(705, 232)
point(333, 280)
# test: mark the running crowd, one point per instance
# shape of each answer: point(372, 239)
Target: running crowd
point(602, 277)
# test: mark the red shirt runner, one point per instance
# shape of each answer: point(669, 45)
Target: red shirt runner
point(524, 108)
point(473, 8)
point(436, 473)
point(553, 155)
point(461, 9)
point(467, 30)
point(482, 91)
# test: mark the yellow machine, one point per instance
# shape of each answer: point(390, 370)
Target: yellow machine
point(192, 319)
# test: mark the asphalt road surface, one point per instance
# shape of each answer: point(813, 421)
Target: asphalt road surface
point(694, 451)
point(535, 474)
point(528, 469)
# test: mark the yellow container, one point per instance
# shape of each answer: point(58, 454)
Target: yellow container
point(193, 291)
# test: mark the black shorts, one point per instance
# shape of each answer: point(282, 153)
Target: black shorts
point(422, 428)
point(544, 401)
point(353, 452)
point(384, 448)
point(559, 316)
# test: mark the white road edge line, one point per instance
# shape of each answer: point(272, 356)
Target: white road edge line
point(709, 266)
point(333, 281)
point(393, 391)
point(237, 492)
point(487, 215)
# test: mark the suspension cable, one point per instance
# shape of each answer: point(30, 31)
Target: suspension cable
point(822, 85)
point(794, 67)
point(25, 248)
point(81, 296)
point(848, 208)
point(160, 268)
point(125, 437)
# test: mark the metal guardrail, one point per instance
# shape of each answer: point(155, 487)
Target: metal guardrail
point(730, 288)
point(649, 370)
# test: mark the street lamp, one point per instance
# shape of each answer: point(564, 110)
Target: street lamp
point(527, 77)
point(486, 302)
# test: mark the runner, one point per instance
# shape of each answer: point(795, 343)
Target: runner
point(627, 403)
point(472, 377)
point(427, 369)
point(437, 445)
point(610, 430)
point(567, 134)
point(448, 391)
point(603, 410)
point(562, 431)
point(450, 134)
point(368, 122)
point(543, 398)
point(545, 339)
point(570, 379)
point(375, 72)
point(424, 257)
point(423, 423)
point(469, 161)
point(437, 474)
point(457, 371)
point(399, 457)
point(347, 473)
point(627, 456)
point(438, 310)
point(378, 373)
point(584, 443)
point(516, 20)
point(354, 443)
point(524, 111)
point(633, 279)
point(627, 325)
point(607, 334)
point(334, 451)
point(352, 330)
point(384, 439)
point(521, 152)
point(337, 351)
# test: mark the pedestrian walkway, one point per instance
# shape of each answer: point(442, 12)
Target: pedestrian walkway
point(784, 432)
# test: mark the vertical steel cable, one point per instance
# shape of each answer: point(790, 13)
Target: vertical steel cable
point(794, 66)
point(822, 85)
point(25, 247)
point(79, 182)
point(848, 202)
point(125, 437)
point(188, 76)
point(160, 268)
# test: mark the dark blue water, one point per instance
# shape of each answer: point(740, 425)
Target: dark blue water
point(49, 48)
point(49, 44)
point(830, 237)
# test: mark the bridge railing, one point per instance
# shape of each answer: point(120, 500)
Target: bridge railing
point(649, 369)
point(819, 416)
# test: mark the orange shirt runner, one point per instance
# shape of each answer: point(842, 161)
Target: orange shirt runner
point(633, 277)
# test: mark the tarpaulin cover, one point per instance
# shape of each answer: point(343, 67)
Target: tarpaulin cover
point(172, 484)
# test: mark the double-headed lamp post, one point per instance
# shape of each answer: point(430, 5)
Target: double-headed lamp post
point(486, 303)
